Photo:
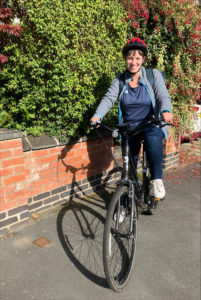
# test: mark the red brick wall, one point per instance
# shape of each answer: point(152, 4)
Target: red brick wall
point(36, 180)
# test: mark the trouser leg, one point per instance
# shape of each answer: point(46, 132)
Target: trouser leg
point(135, 145)
point(153, 143)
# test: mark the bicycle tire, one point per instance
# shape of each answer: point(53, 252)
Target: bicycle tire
point(146, 182)
point(118, 251)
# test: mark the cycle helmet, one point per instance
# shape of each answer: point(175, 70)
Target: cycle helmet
point(135, 44)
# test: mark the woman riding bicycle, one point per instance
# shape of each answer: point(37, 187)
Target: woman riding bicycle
point(139, 100)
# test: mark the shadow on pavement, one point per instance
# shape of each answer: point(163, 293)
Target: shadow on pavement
point(80, 230)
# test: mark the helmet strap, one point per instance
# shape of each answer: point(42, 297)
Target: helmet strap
point(136, 72)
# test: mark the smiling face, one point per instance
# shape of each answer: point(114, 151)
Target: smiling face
point(134, 60)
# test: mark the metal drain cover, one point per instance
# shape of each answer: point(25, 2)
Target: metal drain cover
point(41, 242)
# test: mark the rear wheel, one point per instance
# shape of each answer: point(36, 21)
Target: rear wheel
point(119, 243)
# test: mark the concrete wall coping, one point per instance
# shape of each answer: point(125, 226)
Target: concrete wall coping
point(31, 143)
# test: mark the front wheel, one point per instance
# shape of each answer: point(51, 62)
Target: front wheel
point(119, 242)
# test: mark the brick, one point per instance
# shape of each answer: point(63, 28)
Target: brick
point(85, 162)
point(27, 172)
point(7, 189)
point(11, 144)
point(39, 153)
point(50, 186)
point(17, 152)
point(85, 180)
point(21, 201)
point(66, 194)
point(2, 216)
point(6, 172)
point(12, 162)
point(41, 196)
point(61, 168)
point(68, 154)
point(30, 200)
point(64, 153)
point(47, 173)
point(39, 183)
point(16, 195)
point(35, 205)
point(171, 155)
point(51, 199)
point(17, 210)
point(58, 190)
point(53, 164)
point(54, 150)
point(89, 191)
point(77, 152)
point(82, 188)
point(96, 148)
point(24, 215)
point(32, 191)
point(6, 206)
point(96, 182)
point(59, 202)
point(91, 143)
point(49, 158)
point(65, 181)
point(43, 208)
point(19, 169)
point(73, 146)
point(5, 154)
point(72, 160)
point(14, 179)
point(8, 222)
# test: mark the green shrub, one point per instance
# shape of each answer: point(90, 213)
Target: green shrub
point(68, 53)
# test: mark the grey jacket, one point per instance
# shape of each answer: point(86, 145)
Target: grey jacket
point(159, 96)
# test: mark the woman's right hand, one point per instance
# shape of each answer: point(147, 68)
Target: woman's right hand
point(95, 119)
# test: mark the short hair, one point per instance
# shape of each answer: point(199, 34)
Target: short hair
point(134, 52)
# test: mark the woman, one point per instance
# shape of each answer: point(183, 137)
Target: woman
point(138, 101)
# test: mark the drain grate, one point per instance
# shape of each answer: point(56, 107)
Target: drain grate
point(42, 242)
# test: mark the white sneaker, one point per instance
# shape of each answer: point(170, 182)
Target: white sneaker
point(121, 215)
point(157, 189)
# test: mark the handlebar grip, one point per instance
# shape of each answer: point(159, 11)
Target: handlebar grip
point(95, 124)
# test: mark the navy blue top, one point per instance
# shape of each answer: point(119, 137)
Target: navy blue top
point(136, 105)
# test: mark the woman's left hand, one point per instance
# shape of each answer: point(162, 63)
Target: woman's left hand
point(168, 117)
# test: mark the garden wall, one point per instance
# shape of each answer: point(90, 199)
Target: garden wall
point(37, 173)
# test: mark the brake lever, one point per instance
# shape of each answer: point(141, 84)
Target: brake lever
point(94, 125)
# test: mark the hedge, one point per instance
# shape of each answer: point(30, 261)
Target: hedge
point(67, 55)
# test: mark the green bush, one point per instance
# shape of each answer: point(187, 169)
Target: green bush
point(67, 55)
point(172, 31)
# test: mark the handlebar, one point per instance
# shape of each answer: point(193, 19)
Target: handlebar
point(125, 127)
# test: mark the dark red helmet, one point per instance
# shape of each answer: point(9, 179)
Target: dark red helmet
point(135, 44)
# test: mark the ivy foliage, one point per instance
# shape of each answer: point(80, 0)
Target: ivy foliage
point(68, 53)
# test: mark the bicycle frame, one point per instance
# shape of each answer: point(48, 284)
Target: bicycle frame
point(132, 181)
point(129, 166)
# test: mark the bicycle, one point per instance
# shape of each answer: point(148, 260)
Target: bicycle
point(130, 198)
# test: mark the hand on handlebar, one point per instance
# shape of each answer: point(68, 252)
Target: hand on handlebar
point(167, 116)
point(95, 121)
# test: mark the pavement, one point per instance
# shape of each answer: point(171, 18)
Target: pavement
point(57, 255)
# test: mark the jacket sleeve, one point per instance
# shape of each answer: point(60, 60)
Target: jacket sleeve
point(109, 99)
point(163, 100)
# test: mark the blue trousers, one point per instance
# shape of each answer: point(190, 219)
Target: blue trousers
point(153, 137)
